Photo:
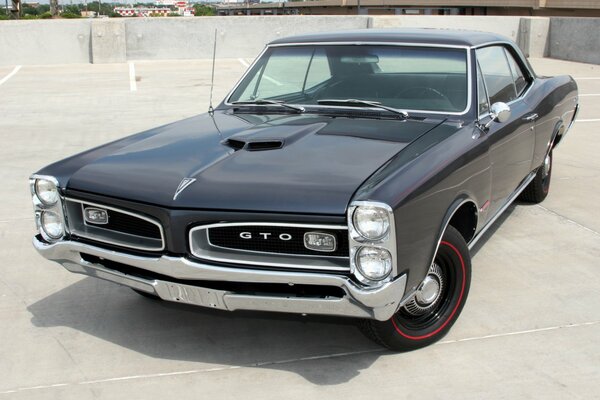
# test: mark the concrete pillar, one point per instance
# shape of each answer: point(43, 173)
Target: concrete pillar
point(108, 41)
point(533, 36)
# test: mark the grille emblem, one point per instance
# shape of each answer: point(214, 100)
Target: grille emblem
point(319, 241)
point(95, 216)
point(185, 182)
point(266, 235)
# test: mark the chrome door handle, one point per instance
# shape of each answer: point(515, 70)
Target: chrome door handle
point(531, 117)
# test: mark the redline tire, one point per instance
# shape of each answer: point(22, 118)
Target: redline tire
point(416, 327)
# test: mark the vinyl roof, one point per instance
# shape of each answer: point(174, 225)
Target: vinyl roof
point(451, 37)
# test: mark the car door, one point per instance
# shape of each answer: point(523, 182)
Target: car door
point(511, 143)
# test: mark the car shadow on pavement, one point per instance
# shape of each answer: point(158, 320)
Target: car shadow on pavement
point(173, 331)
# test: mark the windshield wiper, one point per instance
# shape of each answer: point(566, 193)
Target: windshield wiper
point(367, 103)
point(270, 102)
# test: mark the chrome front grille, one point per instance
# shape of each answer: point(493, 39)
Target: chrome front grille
point(269, 244)
point(229, 237)
point(124, 228)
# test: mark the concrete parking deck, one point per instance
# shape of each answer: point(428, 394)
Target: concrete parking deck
point(530, 329)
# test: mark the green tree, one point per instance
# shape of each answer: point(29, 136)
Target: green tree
point(28, 10)
point(202, 10)
point(105, 8)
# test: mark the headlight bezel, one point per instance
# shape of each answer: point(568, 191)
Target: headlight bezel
point(33, 187)
point(371, 209)
point(357, 240)
point(44, 229)
point(40, 207)
point(361, 268)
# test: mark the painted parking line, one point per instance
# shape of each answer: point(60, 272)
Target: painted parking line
point(288, 361)
point(132, 83)
point(589, 95)
point(10, 75)
point(588, 120)
point(246, 65)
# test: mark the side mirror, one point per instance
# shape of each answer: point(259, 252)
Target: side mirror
point(500, 112)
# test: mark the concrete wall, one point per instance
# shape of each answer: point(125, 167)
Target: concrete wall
point(45, 42)
point(120, 40)
point(575, 39)
point(175, 38)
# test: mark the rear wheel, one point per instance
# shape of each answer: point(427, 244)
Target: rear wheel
point(436, 305)
point(538, 188)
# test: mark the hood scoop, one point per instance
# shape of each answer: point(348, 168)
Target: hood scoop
point(254, 144)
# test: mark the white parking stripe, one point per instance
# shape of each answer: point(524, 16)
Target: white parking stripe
point(7, 77)
point(587, 120)
point(245, 64)
point(589, 95)
point(293, 360)
point(132, 83)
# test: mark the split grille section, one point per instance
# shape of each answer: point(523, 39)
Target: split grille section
point(275, 239)
point(262, 245)
point(124, 228)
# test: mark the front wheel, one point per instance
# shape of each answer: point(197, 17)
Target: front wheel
point(436, 305)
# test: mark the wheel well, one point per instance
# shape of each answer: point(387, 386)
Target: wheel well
point(464, 220)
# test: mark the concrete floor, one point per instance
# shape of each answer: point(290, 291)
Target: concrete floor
point(530, 329)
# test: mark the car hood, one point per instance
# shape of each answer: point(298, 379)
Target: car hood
point(289, 163)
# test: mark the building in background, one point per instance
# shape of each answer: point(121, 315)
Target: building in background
point(162, 9)
point(570, 8)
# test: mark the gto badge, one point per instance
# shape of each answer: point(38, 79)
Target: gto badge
point(266, 235)
point(95, 216)
point(185, 182)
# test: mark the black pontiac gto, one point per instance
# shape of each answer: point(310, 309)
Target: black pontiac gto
point(346, 174)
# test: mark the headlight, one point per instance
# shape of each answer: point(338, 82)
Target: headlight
point(374, 263)
point(46, 191)
point(52, 225)
point(370, 222)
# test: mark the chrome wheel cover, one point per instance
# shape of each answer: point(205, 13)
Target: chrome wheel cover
point(428, 294)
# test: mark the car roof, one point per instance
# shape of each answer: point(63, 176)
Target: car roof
point(449, 37)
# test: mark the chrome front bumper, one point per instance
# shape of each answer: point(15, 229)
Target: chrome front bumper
point(380, 303)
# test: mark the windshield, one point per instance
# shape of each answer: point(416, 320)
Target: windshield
point(410, 78)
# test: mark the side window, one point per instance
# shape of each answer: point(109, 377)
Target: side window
point(518, 76)
point(482, 97)
point(497, 75)
point(318, 70)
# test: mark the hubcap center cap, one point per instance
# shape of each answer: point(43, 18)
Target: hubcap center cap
point(429, 291)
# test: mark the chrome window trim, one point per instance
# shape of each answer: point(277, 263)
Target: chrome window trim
point(364, 43)
point(504, 44)
point(521, 96)
point(266, 261)
point(116, 243)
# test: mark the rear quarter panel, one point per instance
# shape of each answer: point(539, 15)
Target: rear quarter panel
point(554, 99)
